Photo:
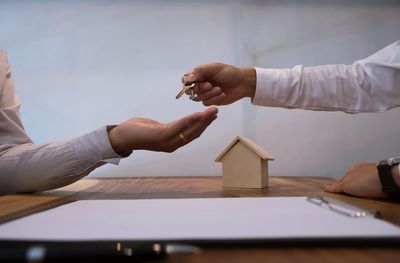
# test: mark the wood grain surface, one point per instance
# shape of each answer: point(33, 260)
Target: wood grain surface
point(14, 206)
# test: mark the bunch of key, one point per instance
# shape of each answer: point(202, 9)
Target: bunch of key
point(187, 86)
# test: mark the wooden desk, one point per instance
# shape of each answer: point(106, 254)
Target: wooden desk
point(13, 206)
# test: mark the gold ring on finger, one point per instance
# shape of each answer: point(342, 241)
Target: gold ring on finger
point(183, 137)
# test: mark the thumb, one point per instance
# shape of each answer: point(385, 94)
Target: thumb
point(336, 187)
point(178, 126)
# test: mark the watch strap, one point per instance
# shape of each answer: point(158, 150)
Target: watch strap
point(388, 184)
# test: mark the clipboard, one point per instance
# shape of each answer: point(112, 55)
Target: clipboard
point(342, 207)
point(206, 221)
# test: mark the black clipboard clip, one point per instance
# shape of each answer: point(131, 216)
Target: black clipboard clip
point(342, 207)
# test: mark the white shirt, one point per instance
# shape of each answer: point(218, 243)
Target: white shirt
point(368, 85)
point(28, 167)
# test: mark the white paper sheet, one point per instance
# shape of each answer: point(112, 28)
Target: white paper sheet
point(193, 219)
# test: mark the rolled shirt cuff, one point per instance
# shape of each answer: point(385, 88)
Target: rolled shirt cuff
point(271, 87)
point(95, 147)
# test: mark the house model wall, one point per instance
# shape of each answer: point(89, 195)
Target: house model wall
point(244, 164)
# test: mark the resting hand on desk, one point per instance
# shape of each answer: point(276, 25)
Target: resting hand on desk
point(361, 180)
point(147, 134)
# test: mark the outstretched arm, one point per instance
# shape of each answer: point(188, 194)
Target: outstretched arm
point(368, 85)
point(28, 167)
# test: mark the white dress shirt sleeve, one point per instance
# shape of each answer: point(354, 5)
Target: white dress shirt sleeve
point(28, 167)
point(368, 85)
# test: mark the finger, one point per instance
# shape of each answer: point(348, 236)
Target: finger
point(175, 127)
point(211, 111)
point(194, 131)
point(201, 88)
point(203, 72)
point(197, 128)
point(217, 100)
point(341, 179)
point(214, 92)
point(190, 134)
point(336, 187)
point(201, 119)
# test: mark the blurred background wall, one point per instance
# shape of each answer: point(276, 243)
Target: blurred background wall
point(78, 65)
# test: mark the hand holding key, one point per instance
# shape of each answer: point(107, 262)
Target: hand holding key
point(221, 84)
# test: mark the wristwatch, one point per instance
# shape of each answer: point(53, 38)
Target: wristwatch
point(385, 176)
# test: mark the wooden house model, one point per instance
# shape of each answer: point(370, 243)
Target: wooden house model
point(244, 164)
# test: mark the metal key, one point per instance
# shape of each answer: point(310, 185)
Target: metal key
point(192, 95)
point(186, 87)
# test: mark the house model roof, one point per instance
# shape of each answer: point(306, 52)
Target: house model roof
point(249, 143)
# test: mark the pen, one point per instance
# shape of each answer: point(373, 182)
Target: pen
point(89, 251)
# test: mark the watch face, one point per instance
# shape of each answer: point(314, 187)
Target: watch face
point(392, 161)
point(383, 162)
